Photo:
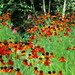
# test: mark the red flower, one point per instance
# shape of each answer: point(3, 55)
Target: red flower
point(65, 34)
point(55, 33)
point(54, 25)
point(68, 48)
point(41, 50)
point(55, 13)
point(35, 56)
point(32, 51)
point(67, 30)
point(5, 42)
point(5, 70)
point(17, 57)
point(47, 62)
point(20, 48)
point(25, 62)
point(32, 37)
point(9, 62)
point(40, 22)
point(17, 28)
point(30, 65)
point(4, 52)
point(41, 72)
point(62, 59)
point(2, 63)
point(60, 72)
point(1, 49)
point(8, 26)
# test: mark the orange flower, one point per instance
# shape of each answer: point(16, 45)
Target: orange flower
point(1, 70)
point(55, 13)
point(74, 12)
point(18, 72)
point(51, 55)
point(40, 60)
point(45, 12)
point(0, 17)
point(11, 44)
point(49, 73)
point(62, 59)
point(29, 22)
point(9, 62)
point(73, 47)
point(35, 56)
point(23, 53)
point(20, 47)
point(4, 23)
point(2, 63)
point(60, 17)
point(72, 16)
point(8, 13)
point(25, 62)
point(72, 24)
point(5, 70)
point(30, 56)
point(40, 35)
point(60, 73)
point(41, 50)
point(47, 54)
point(11, 70)
point(35, 70)
point(15, 48)
point(53, 73)
point(46, 62)
point(41, 72)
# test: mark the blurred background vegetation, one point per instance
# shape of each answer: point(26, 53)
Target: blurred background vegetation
point(20, 9)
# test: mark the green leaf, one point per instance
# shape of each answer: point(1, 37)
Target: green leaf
point(0, 12)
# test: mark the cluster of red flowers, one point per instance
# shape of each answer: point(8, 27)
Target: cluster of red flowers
point(5, 17)
point(54, 26)
point(5, 49)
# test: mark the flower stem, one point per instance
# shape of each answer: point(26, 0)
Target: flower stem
point(49, 6)
point(44, 6)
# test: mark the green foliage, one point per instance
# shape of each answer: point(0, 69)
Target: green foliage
point(19, 10)
point(5, 33)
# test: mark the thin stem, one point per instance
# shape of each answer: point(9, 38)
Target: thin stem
point(49, 6)
point(44, 6)
point(63, 15)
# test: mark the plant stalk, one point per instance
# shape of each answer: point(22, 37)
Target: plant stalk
point(44, 7)
point(49, 6)
point(64, 7)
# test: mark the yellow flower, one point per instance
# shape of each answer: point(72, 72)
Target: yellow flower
point(11, 71)
point(43, 56)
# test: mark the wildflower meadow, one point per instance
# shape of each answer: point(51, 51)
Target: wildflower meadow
point(36, 39)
